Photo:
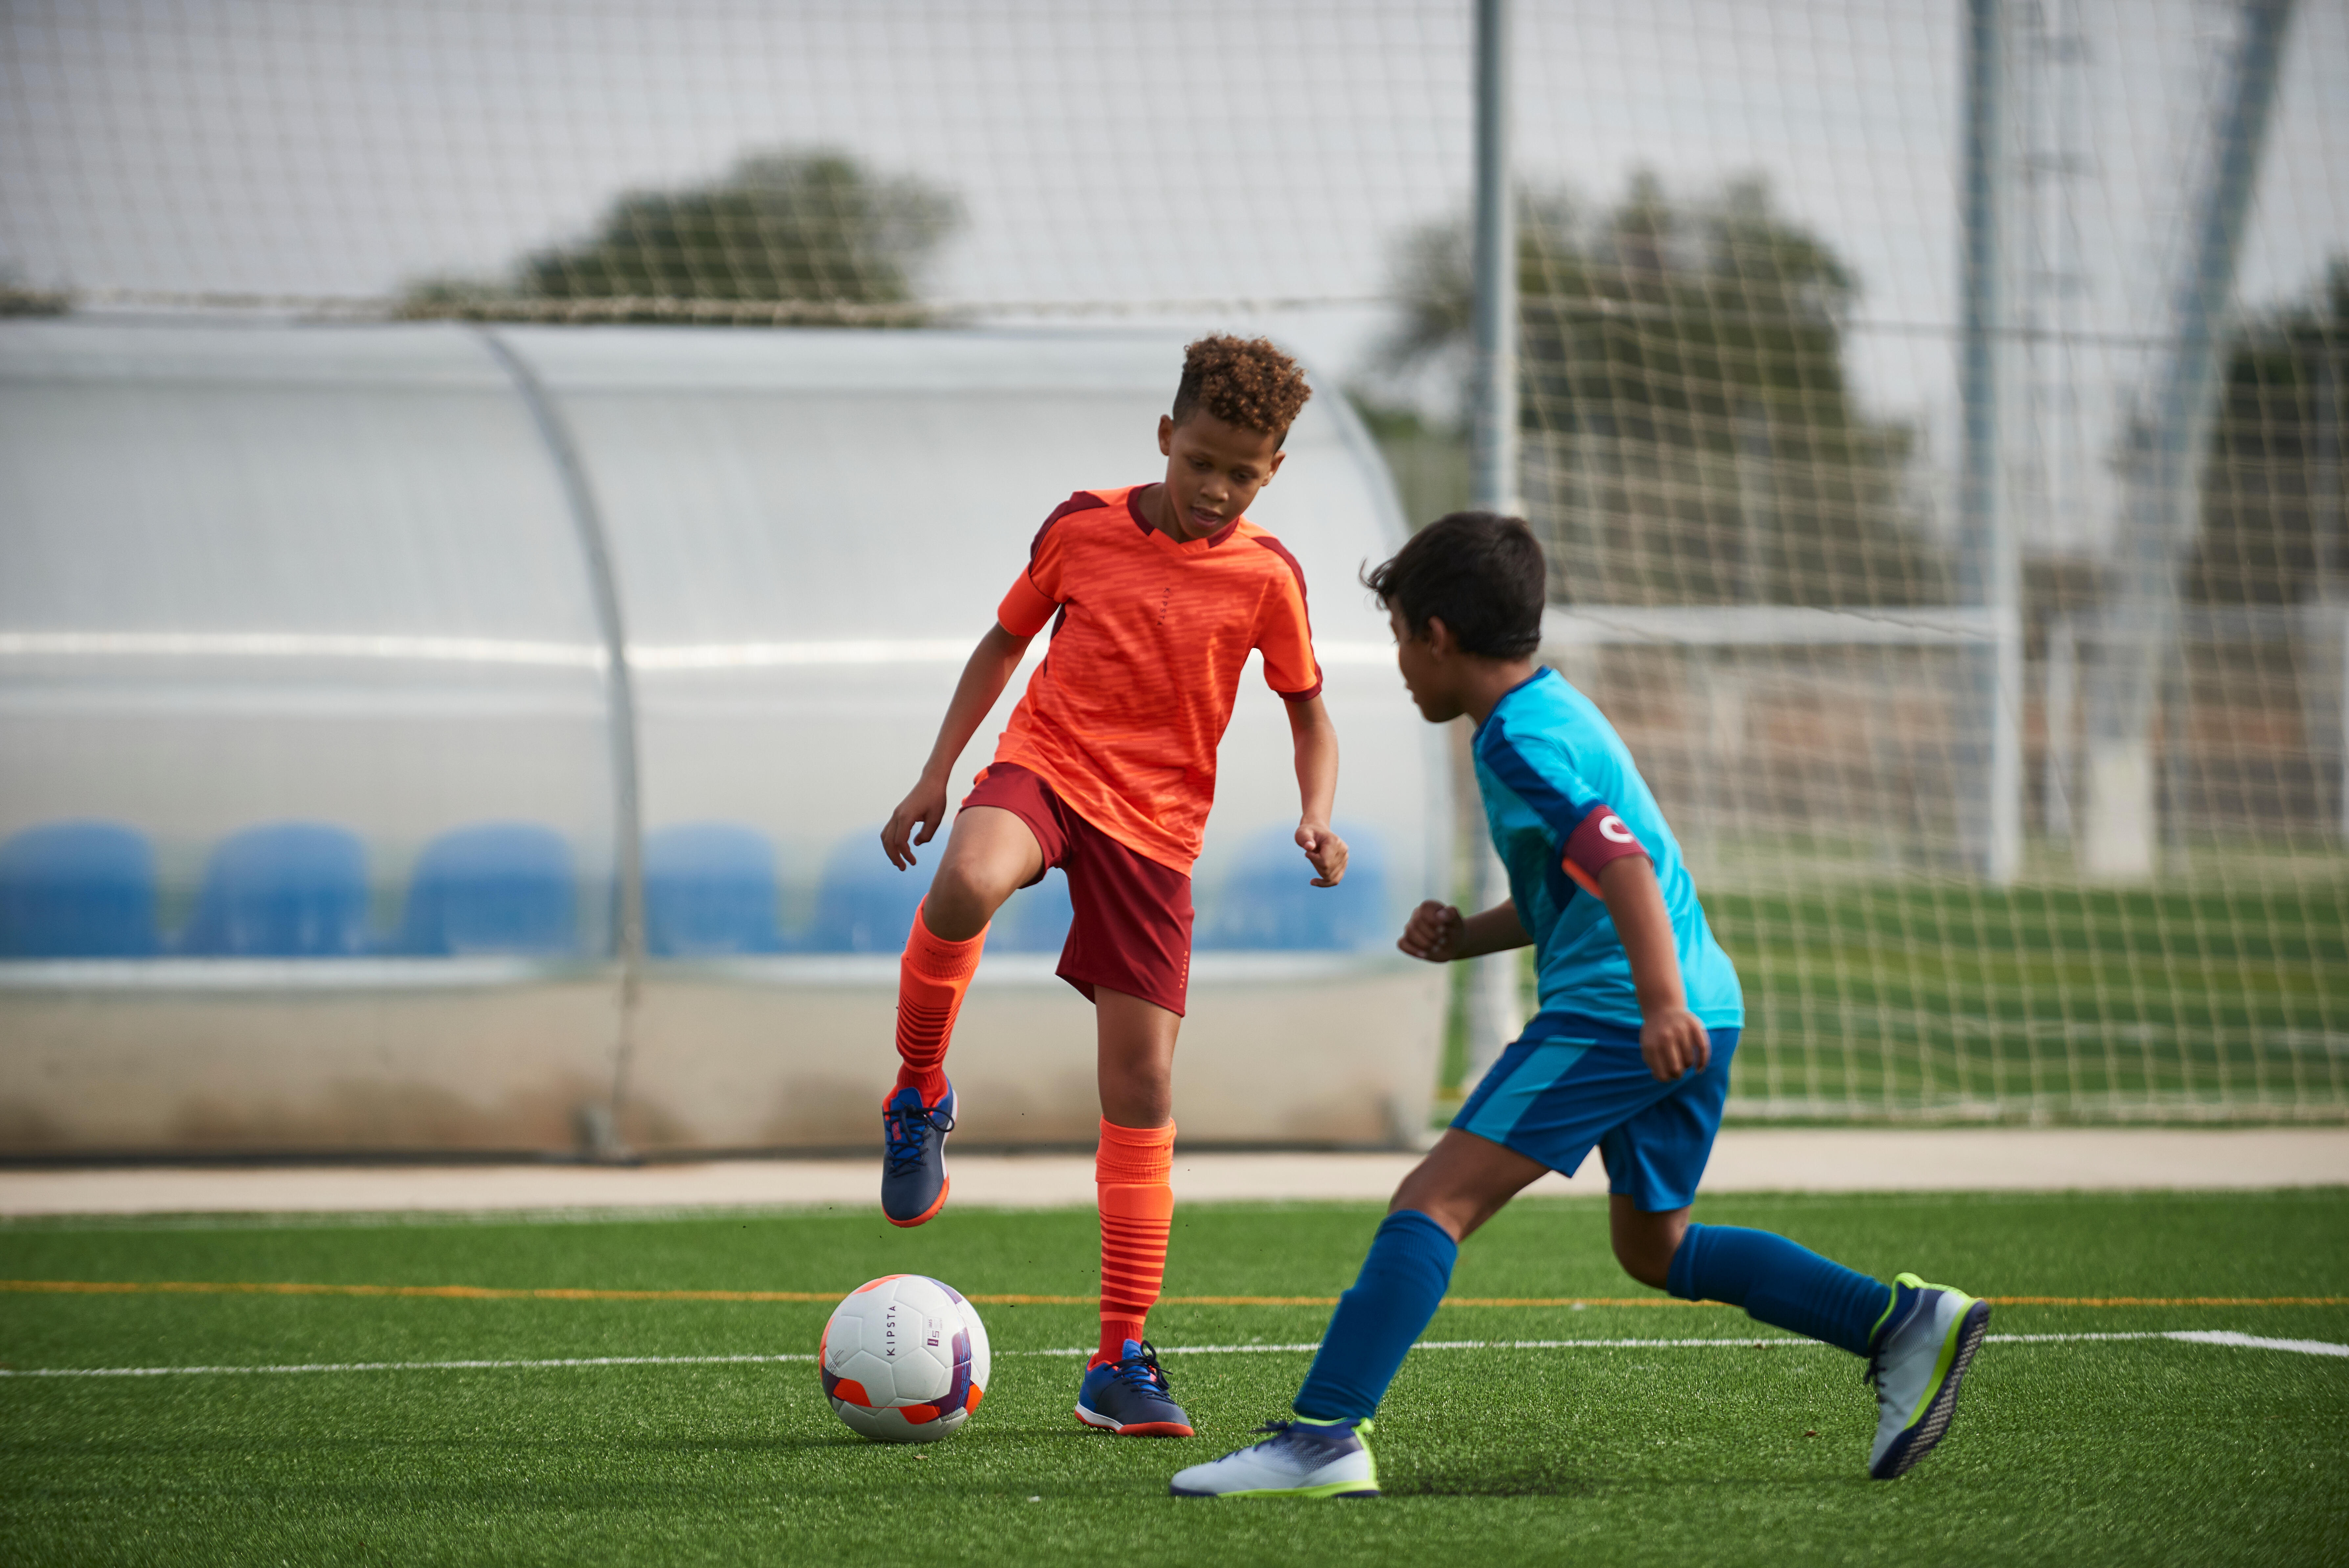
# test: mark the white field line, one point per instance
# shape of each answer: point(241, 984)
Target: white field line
point(2254, 1341)
point(2226, 1337)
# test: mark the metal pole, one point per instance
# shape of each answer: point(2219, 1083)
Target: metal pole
point(1756, 514)
point(2324, 516)
point(2329, 626)
point(2324, 523)
point(1990, 570)
point(2164, 512)
point(600, 1124)
point(1496, 1015)
point(2063, 683)
point(1495, 476)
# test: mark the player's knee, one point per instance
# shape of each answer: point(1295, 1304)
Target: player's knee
point(965, 895)
point(1459, 1212)
point(1459, 1220)
point(1645, 1247)
point(1643, 1262)
point(1147, 1076)
point(1134, 1097)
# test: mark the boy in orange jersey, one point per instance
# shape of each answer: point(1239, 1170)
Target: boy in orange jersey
point(1156, 595)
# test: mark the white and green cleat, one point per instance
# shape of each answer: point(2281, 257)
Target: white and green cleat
point(1922, 1354)
point(1301, 1459)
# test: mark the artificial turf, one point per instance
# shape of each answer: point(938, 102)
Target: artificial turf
point(2082, 1451)
point(2218, 998)
point(2037, 1001)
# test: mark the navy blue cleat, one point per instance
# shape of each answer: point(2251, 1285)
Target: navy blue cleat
point(1128, 1396)
point(913, 1176)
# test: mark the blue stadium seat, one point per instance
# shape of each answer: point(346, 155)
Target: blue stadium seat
point(493, 887)
point(864, 904)
point(712, 890)
point(1269, 902)
point(286, 889)
point(78, 889)
point(1037, 919)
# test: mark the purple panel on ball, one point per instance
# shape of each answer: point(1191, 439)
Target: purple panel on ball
point(959, 1392)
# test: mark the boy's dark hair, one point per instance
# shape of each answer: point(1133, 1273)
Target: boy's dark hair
point(1242, 381)
point(1480, 573)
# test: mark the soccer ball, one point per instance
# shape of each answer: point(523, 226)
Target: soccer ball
point(904, 1359)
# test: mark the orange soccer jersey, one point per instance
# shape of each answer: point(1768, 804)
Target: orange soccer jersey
point(1124, 716)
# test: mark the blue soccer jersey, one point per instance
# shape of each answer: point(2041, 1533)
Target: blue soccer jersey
point(1563, 798)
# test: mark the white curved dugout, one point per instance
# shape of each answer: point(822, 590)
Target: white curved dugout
point(327, 821)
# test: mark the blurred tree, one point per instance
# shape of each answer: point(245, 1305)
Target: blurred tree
point(1429, 459)
point(20, 297)
point(1691, 434)
point(803, 235)
point(2274, 525)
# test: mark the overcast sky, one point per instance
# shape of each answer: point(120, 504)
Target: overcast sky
point(1117, 151)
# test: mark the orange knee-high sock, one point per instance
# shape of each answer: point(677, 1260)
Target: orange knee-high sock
point(1137, 1207)
point(931, 980)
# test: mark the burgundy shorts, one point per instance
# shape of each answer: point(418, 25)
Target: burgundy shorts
point(1132, 929)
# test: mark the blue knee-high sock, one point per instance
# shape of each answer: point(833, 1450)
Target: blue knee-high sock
point(1398, 1291)
point(1780, 1283)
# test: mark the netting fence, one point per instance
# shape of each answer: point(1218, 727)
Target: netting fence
point(2105, 878)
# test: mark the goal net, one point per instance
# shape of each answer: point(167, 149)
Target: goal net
point(1814, 768)
point(1979, 618)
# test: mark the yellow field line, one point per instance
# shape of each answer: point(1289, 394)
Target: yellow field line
point(495, 1294)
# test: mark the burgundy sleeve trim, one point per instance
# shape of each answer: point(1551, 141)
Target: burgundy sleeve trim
point(1603, 838)
point(1083, 501)
point(1305, 603)
point(1281, 550)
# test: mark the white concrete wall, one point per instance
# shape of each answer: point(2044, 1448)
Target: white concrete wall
point(791, 1054)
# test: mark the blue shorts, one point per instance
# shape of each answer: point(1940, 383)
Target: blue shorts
point(1554, 1102)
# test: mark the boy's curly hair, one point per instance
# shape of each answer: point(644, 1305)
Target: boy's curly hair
point(1242, 381)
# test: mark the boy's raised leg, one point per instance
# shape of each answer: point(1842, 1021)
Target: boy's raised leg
point(991, 852)
point(919, 1112)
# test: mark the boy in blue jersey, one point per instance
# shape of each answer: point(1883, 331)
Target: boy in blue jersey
point(1630, 1053)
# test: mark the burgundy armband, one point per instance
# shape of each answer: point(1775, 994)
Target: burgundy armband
point(1603, 837)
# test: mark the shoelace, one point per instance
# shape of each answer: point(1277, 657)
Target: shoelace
point(908, 1135)
point(1873, 1372)
point(1284, 1432)
point(1142, 1369)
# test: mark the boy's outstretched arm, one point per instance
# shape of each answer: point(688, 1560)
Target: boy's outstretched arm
point(1440, 933)
point(990, 668)
point(1672, 1040)
point(1317, 789)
